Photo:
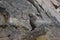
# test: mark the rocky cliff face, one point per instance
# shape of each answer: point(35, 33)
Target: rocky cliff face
point(27, 20)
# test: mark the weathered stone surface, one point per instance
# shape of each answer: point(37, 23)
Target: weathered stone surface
point(1, 20)
point(29, 19)
point(5, 38)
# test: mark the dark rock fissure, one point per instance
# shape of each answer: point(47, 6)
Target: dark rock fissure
point(55, 5)
point(2, 9)
point(37, 7)
point(32, 18)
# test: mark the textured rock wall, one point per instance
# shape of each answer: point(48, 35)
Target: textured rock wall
point(29, 19)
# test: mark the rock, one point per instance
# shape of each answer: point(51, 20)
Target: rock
point(1, 20)
point(29, 19)
point(2, 33)
point(5, 38)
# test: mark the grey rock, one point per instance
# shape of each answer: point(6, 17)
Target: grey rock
point(28, 20)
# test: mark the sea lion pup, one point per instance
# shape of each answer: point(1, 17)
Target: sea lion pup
point(5, 15)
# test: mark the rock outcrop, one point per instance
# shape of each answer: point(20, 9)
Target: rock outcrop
point(29, 19)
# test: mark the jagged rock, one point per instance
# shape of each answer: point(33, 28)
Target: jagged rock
point(28, 19)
